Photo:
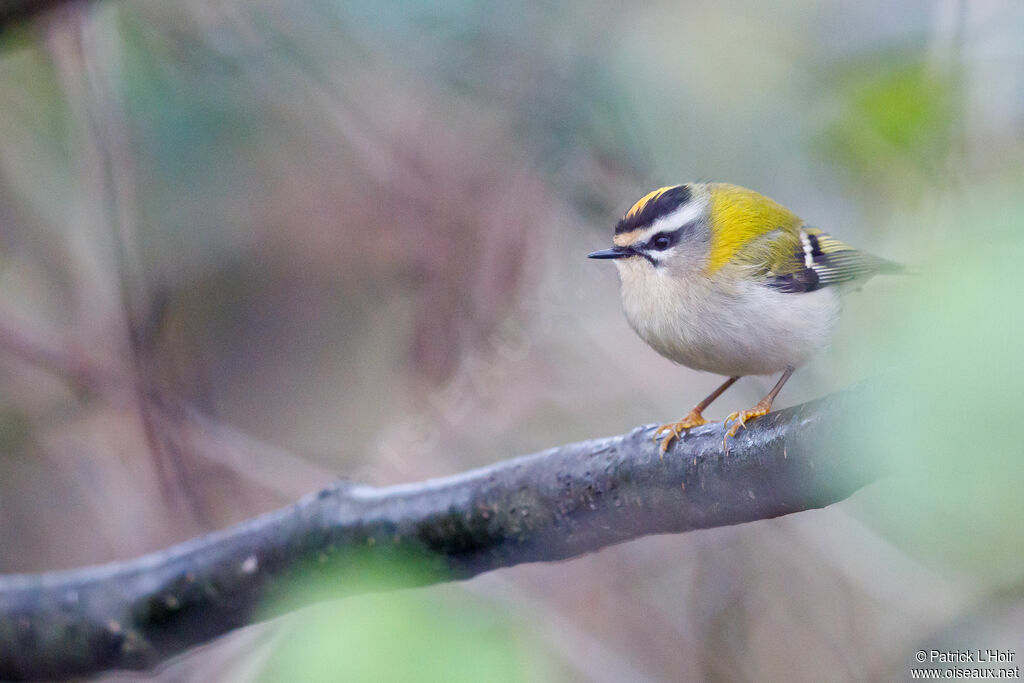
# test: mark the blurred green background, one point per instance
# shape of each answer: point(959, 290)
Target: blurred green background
point(357, 233)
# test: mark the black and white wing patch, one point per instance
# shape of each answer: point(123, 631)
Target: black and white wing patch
point(822, 260)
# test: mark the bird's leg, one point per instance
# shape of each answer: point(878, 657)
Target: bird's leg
point(693, 419)
point(763, 407)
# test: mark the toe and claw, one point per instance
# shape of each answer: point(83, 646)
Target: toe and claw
point(739, 421)
point(674, 430)
point(736, 421)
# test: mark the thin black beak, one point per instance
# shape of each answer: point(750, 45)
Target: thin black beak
point(614, 252)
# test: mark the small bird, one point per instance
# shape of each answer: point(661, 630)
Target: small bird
point(722, 279)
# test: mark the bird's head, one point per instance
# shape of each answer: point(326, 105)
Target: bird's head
point(668, 231)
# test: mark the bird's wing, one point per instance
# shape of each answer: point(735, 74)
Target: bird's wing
point(804, 259)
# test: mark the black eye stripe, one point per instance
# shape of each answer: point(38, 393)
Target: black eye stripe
point(673, 239)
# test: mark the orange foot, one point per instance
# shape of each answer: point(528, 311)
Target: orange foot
point(739, 420)
point(676, 429)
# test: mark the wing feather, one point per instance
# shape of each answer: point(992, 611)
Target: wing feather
point(805, 259)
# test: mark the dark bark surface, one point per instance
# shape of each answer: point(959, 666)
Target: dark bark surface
point(548, 506)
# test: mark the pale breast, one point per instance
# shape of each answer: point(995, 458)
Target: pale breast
point(747, 329)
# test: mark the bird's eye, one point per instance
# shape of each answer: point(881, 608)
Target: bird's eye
point(661, 242)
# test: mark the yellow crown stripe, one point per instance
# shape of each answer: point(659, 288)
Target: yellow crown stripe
point(647, 199)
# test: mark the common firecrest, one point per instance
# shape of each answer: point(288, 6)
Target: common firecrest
point(722, 279)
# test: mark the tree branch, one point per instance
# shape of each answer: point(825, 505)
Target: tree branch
point(548, 506)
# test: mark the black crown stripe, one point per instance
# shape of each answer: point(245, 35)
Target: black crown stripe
point(660, 205)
